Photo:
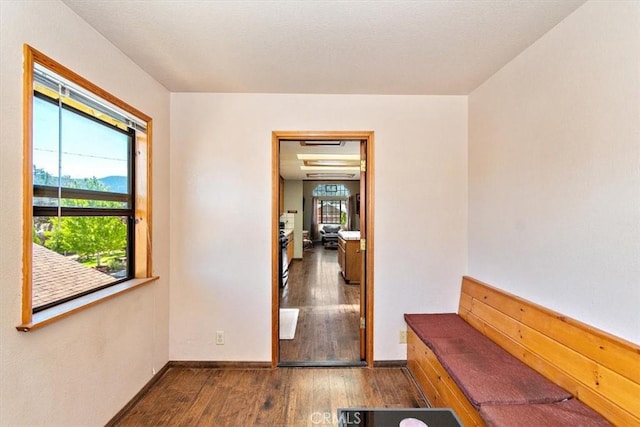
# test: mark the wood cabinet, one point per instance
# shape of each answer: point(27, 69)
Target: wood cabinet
point(290, 247)
point(349, 259)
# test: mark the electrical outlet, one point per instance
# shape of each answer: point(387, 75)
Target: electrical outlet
point(219, 337)
point(403, 337)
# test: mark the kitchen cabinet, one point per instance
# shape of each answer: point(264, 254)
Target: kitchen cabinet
point(281, 195)
point(349, 259)
point(290, 247)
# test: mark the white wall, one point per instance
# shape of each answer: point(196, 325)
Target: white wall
point(85, 368)
point(554, 175)
point(221, 212)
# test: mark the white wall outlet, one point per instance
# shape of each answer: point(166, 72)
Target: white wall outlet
point(219, 337)
point(402, 337)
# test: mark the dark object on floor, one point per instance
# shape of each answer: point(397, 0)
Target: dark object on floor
point(398, 417)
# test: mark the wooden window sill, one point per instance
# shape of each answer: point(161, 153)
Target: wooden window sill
point(61, 311)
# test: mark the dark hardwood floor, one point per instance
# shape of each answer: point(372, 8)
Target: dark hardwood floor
point(328, 322)
point(287, 396)
point(268, 397)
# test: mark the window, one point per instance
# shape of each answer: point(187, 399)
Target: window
point(331, 190)
point(332, 211)
point(87, 208)
point(331, 203)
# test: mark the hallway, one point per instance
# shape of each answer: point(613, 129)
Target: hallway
point(328, 322)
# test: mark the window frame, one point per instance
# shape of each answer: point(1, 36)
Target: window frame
point(142, 267)
point(339, 191)
point(322, 202)
point(79, 193)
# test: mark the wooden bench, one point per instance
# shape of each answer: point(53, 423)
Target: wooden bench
point(596, 368)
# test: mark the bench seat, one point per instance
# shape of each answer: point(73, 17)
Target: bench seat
point(598, 369)
point(502, 389)
point(486, 374)
point(568, 413)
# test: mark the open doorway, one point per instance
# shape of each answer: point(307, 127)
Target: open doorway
point(322, 208)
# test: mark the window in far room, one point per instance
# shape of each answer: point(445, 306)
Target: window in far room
point(331, 190)
point(331, 203)
point(332, 211)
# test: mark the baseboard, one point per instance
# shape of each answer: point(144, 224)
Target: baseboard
point(389, 363)
point(323, 364)
point(122, 412)
point(197, 364)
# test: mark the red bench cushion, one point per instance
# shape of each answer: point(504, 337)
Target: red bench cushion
point(485, 372)
point(561, 414)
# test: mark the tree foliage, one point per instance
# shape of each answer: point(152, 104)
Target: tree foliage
point(87, 236)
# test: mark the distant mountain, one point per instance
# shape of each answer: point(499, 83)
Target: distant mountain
point(116, 184)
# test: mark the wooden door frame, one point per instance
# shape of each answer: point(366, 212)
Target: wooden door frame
point(276, 136)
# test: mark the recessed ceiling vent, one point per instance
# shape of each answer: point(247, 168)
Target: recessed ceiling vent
point(322, 143)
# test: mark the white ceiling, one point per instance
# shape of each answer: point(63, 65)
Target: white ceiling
point(290, 164)
point(429, 47)
point(337, 47)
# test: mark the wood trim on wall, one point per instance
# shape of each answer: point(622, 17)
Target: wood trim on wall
point(276, 136)
point(27, 182)
point(212, 364)
point(390, 364)
point(370, 247)
point(275, 219)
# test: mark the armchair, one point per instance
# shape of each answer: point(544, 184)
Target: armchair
point(329, 235)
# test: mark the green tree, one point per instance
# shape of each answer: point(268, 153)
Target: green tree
point(92, 236)
point(55, 237)
point(88, 236)
point(34, 236)
point(42, 177)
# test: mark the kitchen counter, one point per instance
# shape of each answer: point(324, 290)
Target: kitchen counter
point(349, 255)
point(349, 235)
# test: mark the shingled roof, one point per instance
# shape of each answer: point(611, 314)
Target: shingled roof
point(56, 276)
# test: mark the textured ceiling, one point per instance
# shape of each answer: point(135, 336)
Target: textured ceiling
point(340, 47)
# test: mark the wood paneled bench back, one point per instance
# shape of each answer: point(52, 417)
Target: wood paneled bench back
point(597, 368)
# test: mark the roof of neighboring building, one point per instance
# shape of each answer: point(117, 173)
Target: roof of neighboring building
point(56, 276)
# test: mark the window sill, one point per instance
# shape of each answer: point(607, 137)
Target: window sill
point(61, 311)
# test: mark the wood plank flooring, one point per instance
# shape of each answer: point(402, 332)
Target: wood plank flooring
point(268, 397)
point(328, 322)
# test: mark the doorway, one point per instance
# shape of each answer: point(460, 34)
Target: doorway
point(349, 296)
